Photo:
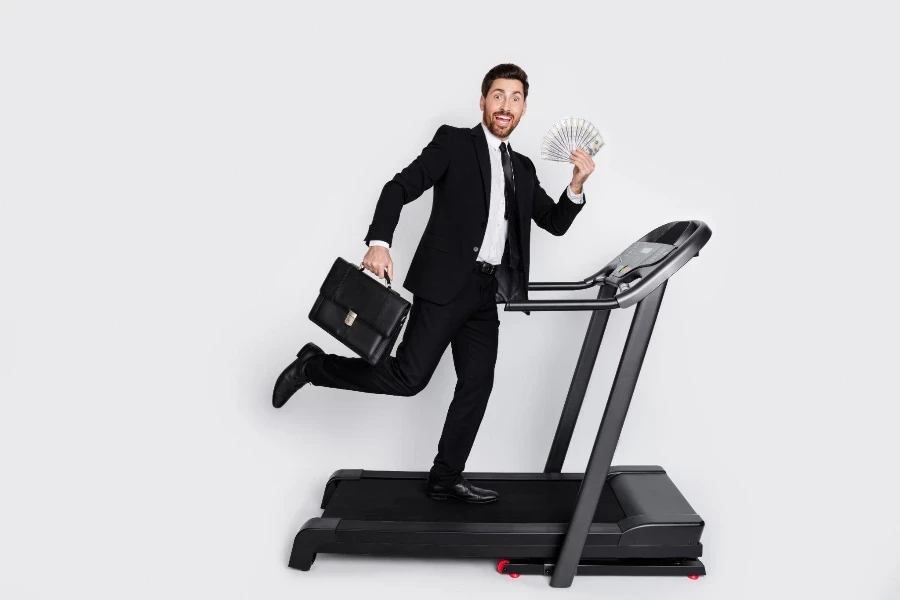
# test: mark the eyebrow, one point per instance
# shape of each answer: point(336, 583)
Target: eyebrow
point(504, 91)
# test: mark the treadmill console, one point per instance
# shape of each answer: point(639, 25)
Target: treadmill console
point(639, 255)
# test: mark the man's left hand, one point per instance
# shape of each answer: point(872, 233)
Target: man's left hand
point(584, 166)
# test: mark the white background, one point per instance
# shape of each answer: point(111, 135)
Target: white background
point(177, 177)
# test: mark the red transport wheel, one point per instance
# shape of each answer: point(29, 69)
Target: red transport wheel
point(502, 565)
point(694, 577)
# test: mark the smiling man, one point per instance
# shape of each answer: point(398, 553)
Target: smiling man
point(473, 254)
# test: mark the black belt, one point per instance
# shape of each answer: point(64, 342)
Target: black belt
point(485, 267)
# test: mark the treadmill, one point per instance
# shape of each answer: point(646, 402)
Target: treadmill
point(609, 520)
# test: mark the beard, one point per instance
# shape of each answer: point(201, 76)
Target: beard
point(488, 120)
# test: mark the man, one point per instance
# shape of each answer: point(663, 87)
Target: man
point(474, 253)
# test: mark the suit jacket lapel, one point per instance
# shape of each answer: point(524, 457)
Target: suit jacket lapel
point(484, 161)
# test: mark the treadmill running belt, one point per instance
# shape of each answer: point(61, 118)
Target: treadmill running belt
point(520, 502)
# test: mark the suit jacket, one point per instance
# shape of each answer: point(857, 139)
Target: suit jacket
point(457, 165)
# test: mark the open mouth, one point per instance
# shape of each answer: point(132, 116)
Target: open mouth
point(502, 120)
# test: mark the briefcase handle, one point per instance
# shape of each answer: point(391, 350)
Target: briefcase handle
point(388, 279)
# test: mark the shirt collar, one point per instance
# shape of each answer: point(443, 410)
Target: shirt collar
point(492, 140)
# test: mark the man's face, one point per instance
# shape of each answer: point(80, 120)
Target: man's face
point(503, 107)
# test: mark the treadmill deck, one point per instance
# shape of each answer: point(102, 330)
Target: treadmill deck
point(520, 501)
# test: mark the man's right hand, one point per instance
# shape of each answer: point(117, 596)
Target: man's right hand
point(377, 260)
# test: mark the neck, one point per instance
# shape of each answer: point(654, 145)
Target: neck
point(487, 129)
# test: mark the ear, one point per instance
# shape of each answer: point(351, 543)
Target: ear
point(481, 104)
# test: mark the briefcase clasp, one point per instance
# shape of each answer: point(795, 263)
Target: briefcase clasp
point(351, 316)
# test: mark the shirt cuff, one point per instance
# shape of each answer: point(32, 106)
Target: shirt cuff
point(378, 243)
point(576, 198)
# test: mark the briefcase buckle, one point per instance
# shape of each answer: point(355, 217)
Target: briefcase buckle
point(351, 316)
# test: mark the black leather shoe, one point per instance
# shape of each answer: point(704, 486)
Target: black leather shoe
point(463, 490)
point(293, 377)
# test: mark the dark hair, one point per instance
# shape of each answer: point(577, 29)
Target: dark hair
point(504, 71)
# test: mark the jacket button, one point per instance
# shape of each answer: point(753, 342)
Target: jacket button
point(475, 248)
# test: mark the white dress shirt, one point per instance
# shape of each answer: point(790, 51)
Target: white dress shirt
point(491, 249)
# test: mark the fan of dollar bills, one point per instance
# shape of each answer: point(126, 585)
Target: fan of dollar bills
point(568, 134)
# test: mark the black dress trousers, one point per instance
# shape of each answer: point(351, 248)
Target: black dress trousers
point(469, 323)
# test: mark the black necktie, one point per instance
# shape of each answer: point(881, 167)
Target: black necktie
point(509, 189)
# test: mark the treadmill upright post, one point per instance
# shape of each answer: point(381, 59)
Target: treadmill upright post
point(607, 437)
point(577, 389)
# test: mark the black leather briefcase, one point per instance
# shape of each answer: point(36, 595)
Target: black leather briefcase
point(360, 311)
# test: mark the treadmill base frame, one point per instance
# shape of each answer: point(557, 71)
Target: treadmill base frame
point(629, 567)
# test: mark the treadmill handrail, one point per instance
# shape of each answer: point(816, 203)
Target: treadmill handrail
point(541, 286)
point(629, 297)
point(577, 304)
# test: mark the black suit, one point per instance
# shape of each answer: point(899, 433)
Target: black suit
point(452, 303)
point(456, 163)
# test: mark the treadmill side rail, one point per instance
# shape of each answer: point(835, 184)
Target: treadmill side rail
point(315, 533)
point(335, 479)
